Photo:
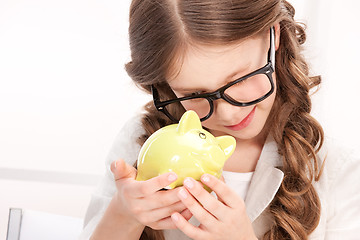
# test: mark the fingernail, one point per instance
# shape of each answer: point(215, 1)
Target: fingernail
point(183, 194)
point(189, 183)
point(175, 217)
point(172, 177)
point(205, 178)
point(115, 164)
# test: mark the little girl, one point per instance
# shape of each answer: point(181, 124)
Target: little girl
point(238, 65)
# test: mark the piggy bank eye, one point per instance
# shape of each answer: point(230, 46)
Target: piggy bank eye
point(202, 135)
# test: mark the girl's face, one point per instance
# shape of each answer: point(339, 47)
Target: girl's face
point(207, 68)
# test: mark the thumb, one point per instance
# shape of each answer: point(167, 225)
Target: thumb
point(121, 169)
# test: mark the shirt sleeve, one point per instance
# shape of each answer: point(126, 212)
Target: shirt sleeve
point(343, 220)
point(125, 147)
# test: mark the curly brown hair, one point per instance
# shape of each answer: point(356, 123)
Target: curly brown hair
point(159, 32)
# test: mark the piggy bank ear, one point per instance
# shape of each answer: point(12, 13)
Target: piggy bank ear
point(227, 143)
point(189, 120)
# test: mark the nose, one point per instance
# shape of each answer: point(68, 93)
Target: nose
point(225, 110)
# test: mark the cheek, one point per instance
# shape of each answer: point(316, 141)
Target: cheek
point(209, 123)
point(275, 84)
point(266, 105)
point(268, 102)
point(263, 107)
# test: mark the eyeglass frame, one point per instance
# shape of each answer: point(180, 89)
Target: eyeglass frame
point(268, 70)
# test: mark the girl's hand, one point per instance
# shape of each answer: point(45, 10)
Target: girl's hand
point(142, 202)
point(225, 218)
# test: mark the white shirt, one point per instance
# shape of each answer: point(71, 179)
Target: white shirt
point(239, 182)
point(338, 188)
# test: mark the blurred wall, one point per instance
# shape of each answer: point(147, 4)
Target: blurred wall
point(64, 93)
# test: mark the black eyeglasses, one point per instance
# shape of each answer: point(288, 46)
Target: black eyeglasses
point(245, 91)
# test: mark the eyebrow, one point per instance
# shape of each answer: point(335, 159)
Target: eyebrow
point(228, 79)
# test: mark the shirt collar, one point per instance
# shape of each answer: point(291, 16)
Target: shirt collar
point(266, 180)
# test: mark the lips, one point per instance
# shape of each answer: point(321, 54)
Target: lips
point(244, 123)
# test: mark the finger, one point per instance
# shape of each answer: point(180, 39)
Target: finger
point(201, 214)
point(166, 223)
point(209, 202)
point(151, 186)
point(222, 178)
point(187, 228)
point(160, 213)
point(120, 170)
point(228, 196)
point(186, 214)
point(162, 198)
point(155, 218)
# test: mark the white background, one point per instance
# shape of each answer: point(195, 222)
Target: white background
point(64, 93)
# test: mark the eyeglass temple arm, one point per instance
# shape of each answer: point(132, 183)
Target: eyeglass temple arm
point(271, 54)
point(155, 95)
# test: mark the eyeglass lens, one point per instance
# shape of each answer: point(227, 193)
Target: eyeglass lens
point(246, 91)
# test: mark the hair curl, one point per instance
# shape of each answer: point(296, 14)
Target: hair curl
point(160, 29)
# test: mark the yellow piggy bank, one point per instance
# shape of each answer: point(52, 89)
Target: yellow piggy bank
point(186, 149)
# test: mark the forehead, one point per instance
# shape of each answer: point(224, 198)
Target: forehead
point(207, 67)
